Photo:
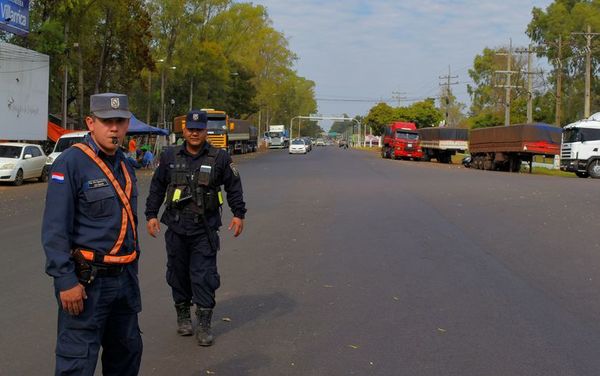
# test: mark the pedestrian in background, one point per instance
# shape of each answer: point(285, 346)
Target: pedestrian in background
point(132, 147)
point(89, 235)
point(191, 176)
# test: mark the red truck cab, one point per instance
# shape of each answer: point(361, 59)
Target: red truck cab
point(401, 140)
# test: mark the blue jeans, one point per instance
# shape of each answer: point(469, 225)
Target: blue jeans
point(110, 320)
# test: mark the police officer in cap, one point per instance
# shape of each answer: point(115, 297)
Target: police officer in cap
point(89, 235)
point(191, 176)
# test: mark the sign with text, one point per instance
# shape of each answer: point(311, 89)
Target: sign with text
point(14, 16)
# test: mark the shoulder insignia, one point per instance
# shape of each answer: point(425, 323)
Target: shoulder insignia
point(234, 169)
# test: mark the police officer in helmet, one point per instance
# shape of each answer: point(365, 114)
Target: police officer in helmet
point(89, 235)
point(191, 176)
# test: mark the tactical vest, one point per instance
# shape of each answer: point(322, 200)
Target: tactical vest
point(193, 193)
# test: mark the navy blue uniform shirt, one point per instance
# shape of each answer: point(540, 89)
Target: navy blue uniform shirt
point(224, 174)
point(83, 210)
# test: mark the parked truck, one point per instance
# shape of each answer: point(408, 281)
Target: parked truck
point(505, 148)
point(580, 151)
point(243, 136)
point(278, 137)
point(401, 140)
point(441, 143)
point(233, 135)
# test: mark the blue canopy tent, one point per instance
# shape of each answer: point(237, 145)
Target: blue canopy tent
point(139, 128)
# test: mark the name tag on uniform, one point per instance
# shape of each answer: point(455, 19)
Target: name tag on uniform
point(96, 183)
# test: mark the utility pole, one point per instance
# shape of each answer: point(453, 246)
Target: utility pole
point(65, 82)
point(588, 68)
point(559, 72)
point(399, 96)
point(529, 51)
point(149, 97)
point(191, 93)
point(508, 72)
point(447, 84)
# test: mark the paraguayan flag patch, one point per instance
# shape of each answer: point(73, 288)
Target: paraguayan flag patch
point(58, 177)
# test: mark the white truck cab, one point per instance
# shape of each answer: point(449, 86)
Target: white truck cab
point(580, 149)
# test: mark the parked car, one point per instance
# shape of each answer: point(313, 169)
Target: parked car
point(64, 142)
point(308, 143)
point(298, 146)
point(19, 162)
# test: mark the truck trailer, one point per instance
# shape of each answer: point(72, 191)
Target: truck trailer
point(505, 148)
point(442, 143)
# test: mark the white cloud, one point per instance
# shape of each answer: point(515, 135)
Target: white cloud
point(359, 49)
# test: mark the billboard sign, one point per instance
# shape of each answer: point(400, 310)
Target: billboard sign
point(24, 79)
point(14, 16)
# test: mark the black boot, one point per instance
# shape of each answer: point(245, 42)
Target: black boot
point(184, 319)
point(203, 333)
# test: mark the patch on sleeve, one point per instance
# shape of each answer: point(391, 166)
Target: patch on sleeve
point(234, 169)
point(58, 177)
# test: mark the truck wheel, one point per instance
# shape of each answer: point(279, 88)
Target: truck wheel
point(488, 164)
point(594, 169)
point(581, 174)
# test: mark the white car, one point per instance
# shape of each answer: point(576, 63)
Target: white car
point(64, 142)
point(298, 146)
point(19, 162)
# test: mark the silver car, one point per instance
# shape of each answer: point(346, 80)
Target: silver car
point(19, 162)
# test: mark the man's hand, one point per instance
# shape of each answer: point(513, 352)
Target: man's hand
point(72, 299)
point(153, 227)
point(237, 224)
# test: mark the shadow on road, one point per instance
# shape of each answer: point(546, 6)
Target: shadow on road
point(250, 308)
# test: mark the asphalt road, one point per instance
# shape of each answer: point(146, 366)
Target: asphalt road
point(354, 265)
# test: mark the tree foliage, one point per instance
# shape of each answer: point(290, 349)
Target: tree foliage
point(218, 53)
point(423, 114)
point(560, 19)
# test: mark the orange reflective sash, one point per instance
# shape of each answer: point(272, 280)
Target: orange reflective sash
point(126, 212)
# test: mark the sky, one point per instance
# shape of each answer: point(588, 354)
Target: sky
point(367, 51)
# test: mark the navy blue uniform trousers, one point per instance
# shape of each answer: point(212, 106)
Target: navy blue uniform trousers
point(110, 320)
point(192, 269)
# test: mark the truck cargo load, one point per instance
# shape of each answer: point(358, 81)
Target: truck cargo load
point(505, 148)
point(442, 143)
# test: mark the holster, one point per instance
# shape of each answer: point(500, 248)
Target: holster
point(85, 271)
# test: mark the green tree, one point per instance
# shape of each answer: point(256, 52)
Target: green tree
point(379, 116)
point(560, 19)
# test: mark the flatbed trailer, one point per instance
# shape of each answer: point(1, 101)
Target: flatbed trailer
point(505, 148)
point(441, 143)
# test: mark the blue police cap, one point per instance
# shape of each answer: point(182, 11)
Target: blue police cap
point(196, 120)
point(110, 105)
